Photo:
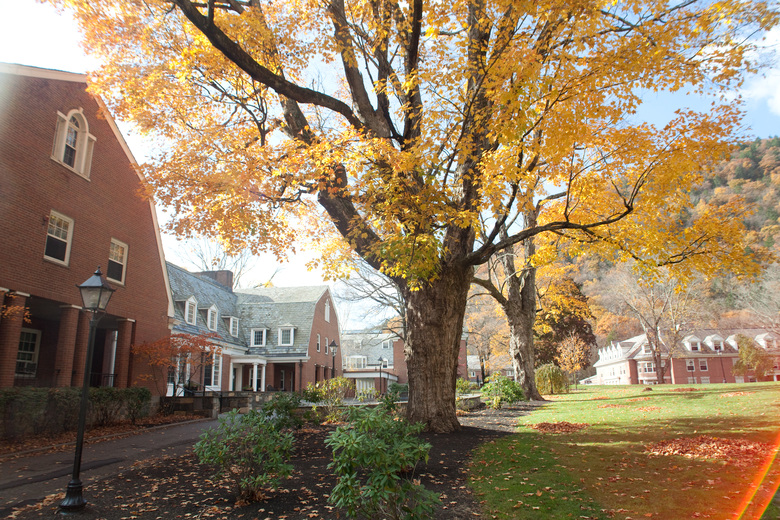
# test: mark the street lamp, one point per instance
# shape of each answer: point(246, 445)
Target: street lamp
point(333, 349)
point(381, 362)
point(95, 293)
point(722, 370)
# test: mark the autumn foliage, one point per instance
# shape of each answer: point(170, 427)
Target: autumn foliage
point(178, 358)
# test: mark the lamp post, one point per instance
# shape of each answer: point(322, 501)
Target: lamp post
point(333, 349)
point(95, 293)
point(381, 362)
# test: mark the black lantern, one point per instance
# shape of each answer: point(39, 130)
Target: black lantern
point(95, 293)
point(333, 348)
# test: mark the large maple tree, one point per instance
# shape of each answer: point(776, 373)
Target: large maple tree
point(397, 126)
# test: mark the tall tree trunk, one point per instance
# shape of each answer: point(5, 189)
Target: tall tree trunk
point(435, 325)
point(520, 310)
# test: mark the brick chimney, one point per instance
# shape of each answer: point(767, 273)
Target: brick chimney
point(222, 277)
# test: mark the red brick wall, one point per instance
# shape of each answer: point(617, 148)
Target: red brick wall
point(104, 207)
point(324, 329)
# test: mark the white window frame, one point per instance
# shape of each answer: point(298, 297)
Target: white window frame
point(318, 342)
point(123, 262)
point(253, 337)
point(695, 346)
point(387, 344)
point(85, 143)
point(717, 346)
point(357, 362)
point(705, 380)
point(68, 239)
point(212, 317)
point(327, 311)
point(191, 311)
point(34, 354)
point(233, 326)
point(703, 366)
point(292, 336)
point(215, 368)
point(690, 365)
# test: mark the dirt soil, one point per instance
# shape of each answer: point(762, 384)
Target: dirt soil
point(180, 487)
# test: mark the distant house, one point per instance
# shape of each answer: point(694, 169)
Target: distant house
point(704, 356)
point(271, 338)
point(69, 202)
point(375, 359)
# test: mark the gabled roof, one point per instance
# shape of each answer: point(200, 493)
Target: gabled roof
point(186, 285)
point(274, 307)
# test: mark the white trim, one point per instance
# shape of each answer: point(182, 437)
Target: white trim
point(292, 336)
point(84, 146)
point(252, 337)
point(212, 316)
point(191, 308)
point(233, 324)
point(118, 243)
point(68, 240)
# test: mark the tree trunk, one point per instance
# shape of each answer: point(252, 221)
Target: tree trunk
point(520, 310)
point(435, 325)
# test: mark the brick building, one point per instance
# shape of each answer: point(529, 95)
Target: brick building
point(703, 356)
point(69, 202)
point(271, 338)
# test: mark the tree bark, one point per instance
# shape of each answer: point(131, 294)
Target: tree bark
point(435, 324)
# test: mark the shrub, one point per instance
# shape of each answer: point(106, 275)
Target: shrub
point(281, 410)
point(399, 388)
point(248, 452)
point(499, 390)
point(333, 393)
point(105, 405)
point(374, 458)
point(369, 394)
point(550, 379)
point(464, 386)
point(137, 401)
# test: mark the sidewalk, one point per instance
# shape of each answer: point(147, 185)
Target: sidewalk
point(27, 479)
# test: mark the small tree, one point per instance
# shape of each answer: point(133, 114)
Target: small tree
point(550, 379)
point(573, 355)
point(176, 360)
point(751, 359)
point(500, 389)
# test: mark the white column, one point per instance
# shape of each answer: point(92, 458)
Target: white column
point(254, 377)
point(263, 384)
point(232, 377)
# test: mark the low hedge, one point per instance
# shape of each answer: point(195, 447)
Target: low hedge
point(34, 411)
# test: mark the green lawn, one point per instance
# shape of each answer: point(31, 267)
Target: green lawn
point(605, 471)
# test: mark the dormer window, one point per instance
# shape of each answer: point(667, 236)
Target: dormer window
point(258, 337)
point(73, 144)
point(717, 346)
point(286, 336)
point(211, 318)
point(191, 311)
point(387, 344)
point(233, 326)
point(695, 346)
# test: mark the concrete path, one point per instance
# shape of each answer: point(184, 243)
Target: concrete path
point(31, 477)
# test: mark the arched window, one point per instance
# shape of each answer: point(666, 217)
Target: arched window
point(73, 143)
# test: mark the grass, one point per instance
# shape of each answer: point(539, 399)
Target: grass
point(605, 471)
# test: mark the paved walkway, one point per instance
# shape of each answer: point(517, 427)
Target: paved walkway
point(30, 478)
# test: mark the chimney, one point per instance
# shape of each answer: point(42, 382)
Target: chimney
point(222, 277)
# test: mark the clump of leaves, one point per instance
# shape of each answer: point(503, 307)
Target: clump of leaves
point(558, 427)
point(550, 379)
point(734, 451)
point(464, 386)
point(282, 408)
point(249, 452)
point(331, 394)
point(499, 390)
point(374, 459)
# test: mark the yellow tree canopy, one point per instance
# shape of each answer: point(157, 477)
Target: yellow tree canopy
point(411, 119)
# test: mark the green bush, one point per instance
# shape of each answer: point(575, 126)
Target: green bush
point(500, 390)
point(105, 405)
point(281, 409)
point(399, 388)
point(248, 452)
point(464, 386)
point(137, 400)
point(374, 459)
point(29, 410)
point(333, 392)
point(550, 379)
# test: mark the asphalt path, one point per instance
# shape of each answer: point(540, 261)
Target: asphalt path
point(29, 478)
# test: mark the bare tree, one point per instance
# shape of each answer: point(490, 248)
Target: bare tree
point(209, 255)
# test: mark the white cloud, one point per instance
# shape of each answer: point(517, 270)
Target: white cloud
point(766, 86)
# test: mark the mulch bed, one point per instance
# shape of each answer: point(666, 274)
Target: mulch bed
point(180, 487)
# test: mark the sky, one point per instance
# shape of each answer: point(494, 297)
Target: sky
point(35, 34)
